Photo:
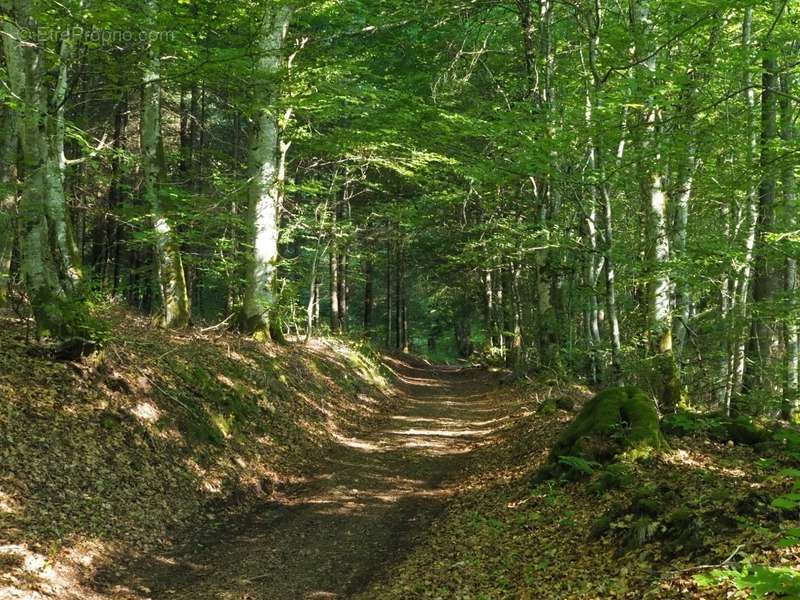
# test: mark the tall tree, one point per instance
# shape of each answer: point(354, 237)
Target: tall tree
point(766, 274)
point(657, 253)
point(48, 260)
point(175, 311)
point(8, 197)
point(259, 313)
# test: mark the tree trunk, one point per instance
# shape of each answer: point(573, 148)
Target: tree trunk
point(169, 265)
point(369, 296)
point(8, 197)
point(389, 318)
point(60, 225)
point(264, 192)
point(678, 247)
point(334, 271)
point(790, 206)
point(742, 283)
point(313, 290)
point(342, 285)
point(657, 252)
point(47, 283)
point(766, 279)
point(592, 263)
point(398, 298)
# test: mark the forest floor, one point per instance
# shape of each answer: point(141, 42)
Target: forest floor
point(371, 497)
point(198, 465)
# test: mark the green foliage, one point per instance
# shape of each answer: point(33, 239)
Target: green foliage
point(614, 477)
point(686, 423)
point(756, 581)
point(789, 501)
point(578, 465)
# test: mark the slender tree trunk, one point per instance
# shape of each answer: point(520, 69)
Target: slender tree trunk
point(595, 24)
point(264, 159)
point(112, 227)
point(742, 284)
point(683, 300)
point(389, 318)
point(602, 189)
point(369, 296)
point(8, 197)
point(499, 310)
point(342, 285)
point(60, 225)
point(790, 207)
point(312, 293)
point(516, 353)
point(592, 264)
point(317, 298)
point(657, 252)
point(336, 319)
point(766, 280)
point(488, 306)
point(398, 298)
point(171, 276)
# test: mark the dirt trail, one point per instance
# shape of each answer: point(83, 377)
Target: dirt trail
point(373, 495)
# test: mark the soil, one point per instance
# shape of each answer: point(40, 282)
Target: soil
point(335, 534)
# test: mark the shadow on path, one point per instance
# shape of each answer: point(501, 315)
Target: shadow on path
point(372, 495)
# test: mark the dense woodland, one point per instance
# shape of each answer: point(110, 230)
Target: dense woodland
point(600, 191)
point(601, 188)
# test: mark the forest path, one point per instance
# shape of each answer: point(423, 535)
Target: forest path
point(371, 497)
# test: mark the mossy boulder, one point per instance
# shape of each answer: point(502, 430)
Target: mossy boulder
point(614, 421)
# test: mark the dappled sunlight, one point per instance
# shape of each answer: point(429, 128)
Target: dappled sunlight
point(443, 432)
point(367, 488)
point(56, 574)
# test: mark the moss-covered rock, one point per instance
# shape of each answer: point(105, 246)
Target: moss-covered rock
point(614, 421)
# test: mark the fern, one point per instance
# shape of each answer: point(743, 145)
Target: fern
point(579, 464)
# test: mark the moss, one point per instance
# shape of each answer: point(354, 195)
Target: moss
point(547, 408)
point(615, 476)
point(642, 418)
point(672, 391)
point(744, 431)
point(614, 421)
point(565, 403)
point(647, 505)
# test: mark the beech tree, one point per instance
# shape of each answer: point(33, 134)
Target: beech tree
point(265, 177)
point(590, 189)
point(49, 263)
point(171, 276)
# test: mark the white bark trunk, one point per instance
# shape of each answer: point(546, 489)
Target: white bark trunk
point(265, 173)
point(171, 276)
point(39, 259)
point(762, 346)
point(657, 250)
point(742, 284)
point(790, 206)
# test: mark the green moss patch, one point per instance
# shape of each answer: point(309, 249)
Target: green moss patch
point(614, 421)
